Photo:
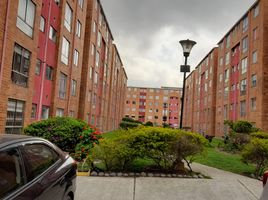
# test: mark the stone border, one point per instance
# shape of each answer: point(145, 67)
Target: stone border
point(145, 174)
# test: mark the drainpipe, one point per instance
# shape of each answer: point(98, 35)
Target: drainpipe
point(44, 64)
point(4, 43)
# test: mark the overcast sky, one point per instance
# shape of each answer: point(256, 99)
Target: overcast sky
point(147, 34)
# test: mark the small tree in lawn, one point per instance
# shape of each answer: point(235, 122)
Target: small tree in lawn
point(256, 152)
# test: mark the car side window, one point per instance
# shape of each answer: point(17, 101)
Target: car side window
point(38, 158)
point(11, 176)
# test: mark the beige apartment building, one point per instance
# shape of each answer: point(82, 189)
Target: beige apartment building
point(157, 105)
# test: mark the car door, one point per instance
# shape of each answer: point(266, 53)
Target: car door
point(41, 164)
point(12, 175)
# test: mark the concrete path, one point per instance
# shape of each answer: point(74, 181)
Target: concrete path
point(222, 186)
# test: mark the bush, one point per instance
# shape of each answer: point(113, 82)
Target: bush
point(260, 135)
point(70, 135)
point(256, 152)
point(128, 125)
point(149, 124)
point(115, 155)
point(62, 131)
point(242, 127)
point(186, 146)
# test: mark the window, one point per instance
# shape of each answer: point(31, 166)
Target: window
point(39, 158)
point(221, 61)
point(94, 27)
point(26, 16)
point(228, 40)
point(96, 78)
point(78, 28)
point(90, 72)
point(10, 172)
point(244, 64)
point(38, 67)
point(81, 3)
point(42, 24)
point(254, 80)
point(227, 58)
point(92, 49)
point(71, 114)
point(256, 11)
point(253, 103)
point(157, 97)
point(255, 34)
point(49, 73)
point(245, 24)
point(225, 111)
point(242, 108)
point(20, 65)
point(76, 57)
point(226, 92)
point(15, 116)
point(34, 109)
point(206, 87)
point(220, 77)
point(243, 87)
point(45, 112)
point(255, 57)
point(97, 59)
point(206, 74)
point(211, 69)
point(74, 86)
point(245, 44)
point(65, 51)
point(59, 112)
point(99, 39)
point(68, 17)
point(52, 34)
point(62, 86)
point(226, 75)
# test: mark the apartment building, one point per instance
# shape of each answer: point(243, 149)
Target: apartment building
point(200, 98)
point(157, 105)
point(241, 76)
point(101, 74)
point(19, 27)
point(242, 66)
point(43, 46)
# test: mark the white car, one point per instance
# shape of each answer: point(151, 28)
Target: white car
point(264, 195)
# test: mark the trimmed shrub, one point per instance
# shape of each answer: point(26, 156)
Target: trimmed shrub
point(69, 134)
point(256, 152)
point(128, 125)
point(242, 127)
point(149, 124)
point(260, 135)
point(65, 132)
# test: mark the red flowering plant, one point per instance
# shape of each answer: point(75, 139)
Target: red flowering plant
point(88, 138)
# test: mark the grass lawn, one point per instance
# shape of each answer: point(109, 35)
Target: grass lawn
point(225, 161)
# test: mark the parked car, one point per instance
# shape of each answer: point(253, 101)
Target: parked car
point(264, 195)
point(34, 168)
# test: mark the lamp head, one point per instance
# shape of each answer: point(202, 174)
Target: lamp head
point(187, 46)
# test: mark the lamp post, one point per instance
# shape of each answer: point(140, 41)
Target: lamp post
point(187, 46)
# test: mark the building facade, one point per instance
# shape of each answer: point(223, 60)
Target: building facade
point(157, 105)
point(240, 78)
point(43, 50)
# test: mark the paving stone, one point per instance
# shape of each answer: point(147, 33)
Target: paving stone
point(101, 174)
point(93, 173)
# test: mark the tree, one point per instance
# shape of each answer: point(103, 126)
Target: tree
point(256, 152)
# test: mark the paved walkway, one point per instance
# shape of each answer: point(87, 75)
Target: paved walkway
point(222, 186)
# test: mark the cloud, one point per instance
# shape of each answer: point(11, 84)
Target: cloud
point(147, 33)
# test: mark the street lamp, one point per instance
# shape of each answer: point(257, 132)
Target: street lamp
point(187, 46)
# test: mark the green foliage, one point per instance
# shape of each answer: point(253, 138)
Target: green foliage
point(260, 135)
point(129, 123)
point(153, 143)
point(165, 125)
point(186, 146)
point(242, 127)
point(238, 136)
point(62, 131)
point(256, 152)
point(115, 154)
point(70, 135)
point(149, 124)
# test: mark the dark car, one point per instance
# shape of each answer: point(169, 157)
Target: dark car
point(33, 168)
